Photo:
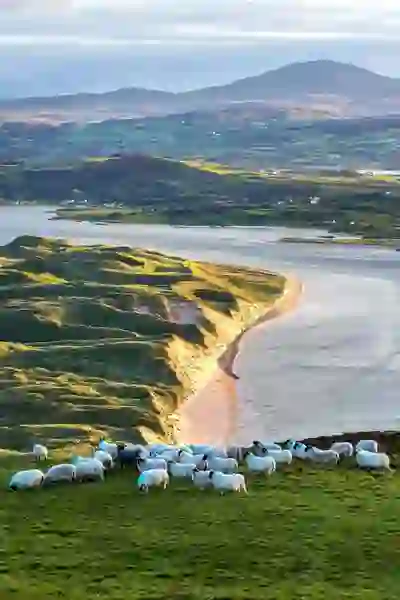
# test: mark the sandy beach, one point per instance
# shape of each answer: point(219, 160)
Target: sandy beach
point(210, 416)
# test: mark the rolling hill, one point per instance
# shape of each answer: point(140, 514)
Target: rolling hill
point(341, 88)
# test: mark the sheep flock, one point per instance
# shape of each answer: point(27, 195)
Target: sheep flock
point(206, 466)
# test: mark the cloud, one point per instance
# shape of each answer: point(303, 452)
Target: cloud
point(185, 22)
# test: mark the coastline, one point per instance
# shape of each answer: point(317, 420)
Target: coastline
point(209, 414)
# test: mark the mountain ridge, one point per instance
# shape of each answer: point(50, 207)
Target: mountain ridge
point(342, 85)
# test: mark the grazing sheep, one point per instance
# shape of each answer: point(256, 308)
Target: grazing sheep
point(197, 459)
point(147, 464)
point(369, 445)
point(260, 464)
point(128, 456)
point(23, 480)
point(237, 452)
point(282, 457)
point(105, 458)
point(216, 452)
point(40, 452)
point(259, 447)
point(322, 456)
point(90, 469)
point(200, 448)
point(180, 469)
point(153, 478)
point(109, 447)
point(343, 448)
point(298, 449)
point(201, 479)
point(223, 482)
point(373, 460)
point(154, 449)
point(169, 455)
point(63, 473)
point(223, 465)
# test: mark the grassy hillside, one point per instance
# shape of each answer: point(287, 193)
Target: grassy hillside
point(308, 532)
point(92, 341)
point(145, 189)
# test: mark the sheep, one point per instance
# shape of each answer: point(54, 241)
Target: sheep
point(223, 465)
point(237, 452)
point(169, 455)
point(201, 479)
point(322, 456)
point(128, 456)
point(258, 448)
point(197, 459)
point(154, 449)
point(63, 473)
point(343, 448)
point(260, 464)
point(180, 469)
point(40, 452)
point(153, 478)
point(105, 458)
point(373, 460)
point(298, 449)
point(200, 448)
point(216, 452)
point(233, 482)
point(109, 447)
point(281, 457)
point(23, 480)
point(369, 445)
point(89, 469)
point(147, 464)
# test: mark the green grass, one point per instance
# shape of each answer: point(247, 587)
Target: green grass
point(78, 358)
point(308, 532)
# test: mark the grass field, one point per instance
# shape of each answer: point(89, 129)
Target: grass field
point(92, 342)
point(309, 532)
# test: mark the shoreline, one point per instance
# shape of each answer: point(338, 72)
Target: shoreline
point(209, 415)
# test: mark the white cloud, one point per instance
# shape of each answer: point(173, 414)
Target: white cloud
point(135, 22)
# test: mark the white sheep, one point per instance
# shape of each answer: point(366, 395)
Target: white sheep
point(147, 464)
point(237, 452)
point(260, 447)
point(369, 445)
point(40, 452)
point(281, 457)
point(154, 449)
point(169, 455)
point(260, 464)
point(298, 449)
point(105, 458)
point(223, 465)
point(201, 479)
point(343, 448)
point(373, 460)
point(224, 482)
point(199, 448)
point(216, 452)
point(23, 480)
point(63, 473)
point(180, 469)
point(322, 456)
point(89, 469)
point(109, 447)
point(197, 459)
point(153, 478)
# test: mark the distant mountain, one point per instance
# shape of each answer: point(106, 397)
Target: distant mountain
point(332, 87)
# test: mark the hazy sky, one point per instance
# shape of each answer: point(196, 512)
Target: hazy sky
point(66, 45)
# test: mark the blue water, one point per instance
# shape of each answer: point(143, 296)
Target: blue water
point(333, 365)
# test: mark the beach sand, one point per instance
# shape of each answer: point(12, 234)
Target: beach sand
point(210, 416)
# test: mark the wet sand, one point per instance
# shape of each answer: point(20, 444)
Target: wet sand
point(211, 415)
